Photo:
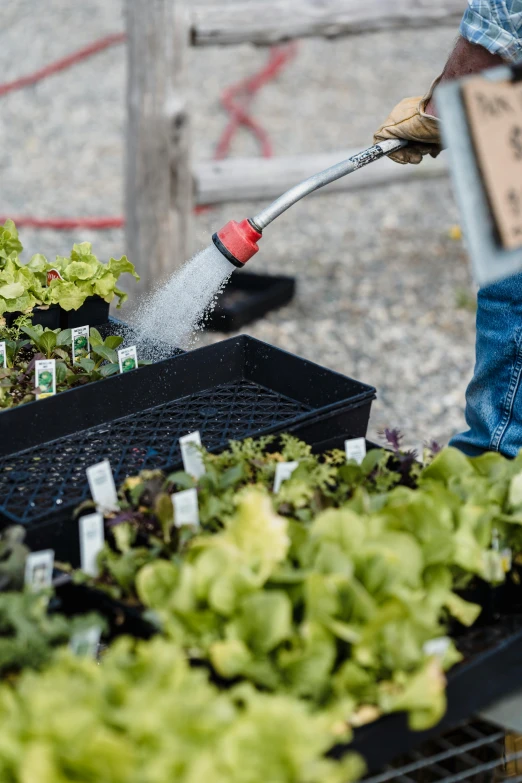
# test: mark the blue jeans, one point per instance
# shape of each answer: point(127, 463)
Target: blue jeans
point(494, 396)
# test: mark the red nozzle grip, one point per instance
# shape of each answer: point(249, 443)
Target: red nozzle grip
point(239, 240)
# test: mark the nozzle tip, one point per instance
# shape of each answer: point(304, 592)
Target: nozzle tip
point(238, 242)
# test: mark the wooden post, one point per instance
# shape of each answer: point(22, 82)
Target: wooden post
point(158, 169)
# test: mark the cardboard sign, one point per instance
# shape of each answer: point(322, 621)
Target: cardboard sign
point(494, 111)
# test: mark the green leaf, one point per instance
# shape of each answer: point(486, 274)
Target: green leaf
point(109, 369)
point(48, 342)
point(11, 290)
point(104, 286)
point(95, 337)
point(61, 372)
point(80, 270)
point(119, 266)
point(113, 341)
point(264, 621)
point(155, 584)
point(105, 353)
point(68, 295)
point(86, 364)
point(64, 337)
point(38, 263)
point(230, 658)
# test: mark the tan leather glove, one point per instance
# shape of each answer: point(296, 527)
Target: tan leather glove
point(409, 121)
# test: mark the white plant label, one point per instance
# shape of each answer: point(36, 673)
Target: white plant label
point(92, 539)
point(355, 449)
point(507, 560)
point(283, 472)
point(437, 648)
point(39, 570)
point(3, 355)
point(192, 459)
point(85, 643)
point(80, 343)
point(45, 378)
point(101, 484)
point(128, 359)
point(186, 508)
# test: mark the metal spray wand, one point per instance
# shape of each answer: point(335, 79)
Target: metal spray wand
point(238, 241)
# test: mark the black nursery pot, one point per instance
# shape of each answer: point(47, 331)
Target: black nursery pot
point(48, 318)
point(93, 312)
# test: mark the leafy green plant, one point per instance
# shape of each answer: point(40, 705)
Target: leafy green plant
point(82, 275)
point(17, 378)
point(29, 632)
point(24, 286)
point(305, 591)
point(144, 716)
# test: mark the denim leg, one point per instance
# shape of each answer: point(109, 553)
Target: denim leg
point(494, 396)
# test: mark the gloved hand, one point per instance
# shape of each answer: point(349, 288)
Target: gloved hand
point(409, 121)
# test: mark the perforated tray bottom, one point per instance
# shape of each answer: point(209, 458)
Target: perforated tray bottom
point(38, 481)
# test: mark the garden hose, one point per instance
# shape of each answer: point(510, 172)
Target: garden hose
point(238, 241)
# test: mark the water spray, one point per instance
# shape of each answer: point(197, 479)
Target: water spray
point(238, 241)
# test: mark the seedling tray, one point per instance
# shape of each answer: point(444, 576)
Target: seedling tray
point(248, 297)
point(237, 388)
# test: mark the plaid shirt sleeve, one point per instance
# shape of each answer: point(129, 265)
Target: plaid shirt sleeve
point(496, 25)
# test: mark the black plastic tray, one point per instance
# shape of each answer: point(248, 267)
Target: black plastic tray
point(93, 312)
point(231, 390)
point(248, 297)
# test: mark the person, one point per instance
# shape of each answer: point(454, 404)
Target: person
point(490, 35)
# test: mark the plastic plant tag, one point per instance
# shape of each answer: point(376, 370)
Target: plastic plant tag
point(39, 570)
point(3, 355)
point(355, 449)
point(80, 343)
point(283, 472)
point(493, 567)
point(186, 508)
point(101, 484)
point(45, 378)
point(437, 648)
point(506, 557)
point(190, 453)
point(92, 539)
point(85, 643)
point(128, 358)
point(53, 274)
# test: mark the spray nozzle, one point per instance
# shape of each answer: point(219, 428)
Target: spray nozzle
point(238, 241)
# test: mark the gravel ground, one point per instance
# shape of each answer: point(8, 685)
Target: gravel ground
point(378, 276)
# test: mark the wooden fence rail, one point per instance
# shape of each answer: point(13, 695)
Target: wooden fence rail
point(272, 21)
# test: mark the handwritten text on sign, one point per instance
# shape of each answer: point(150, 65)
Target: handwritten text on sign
point(495, 115)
